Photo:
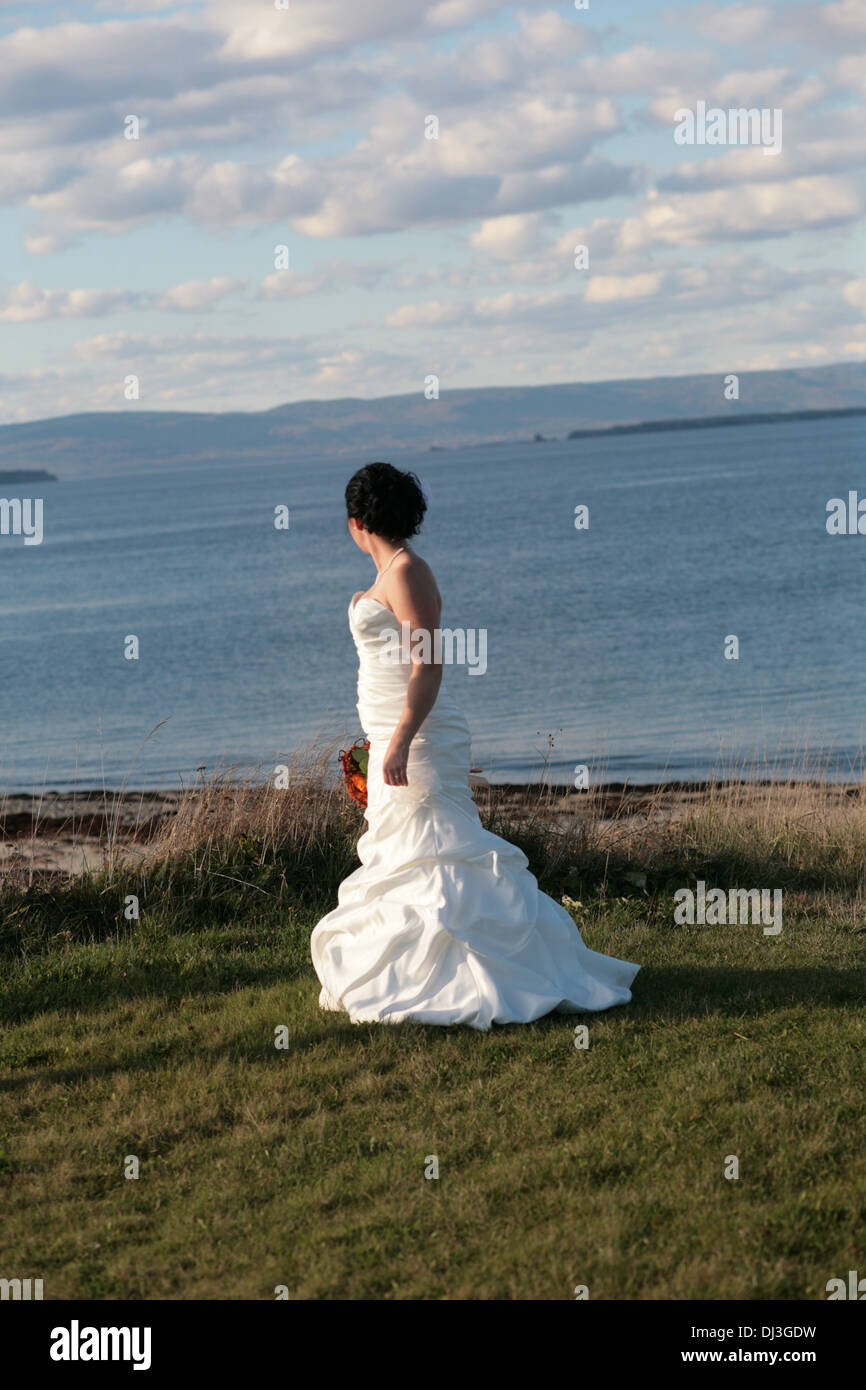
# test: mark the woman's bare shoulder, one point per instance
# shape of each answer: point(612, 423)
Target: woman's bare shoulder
point(412, 571)
point(423, 569)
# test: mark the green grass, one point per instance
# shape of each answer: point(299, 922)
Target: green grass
point(305, 1167)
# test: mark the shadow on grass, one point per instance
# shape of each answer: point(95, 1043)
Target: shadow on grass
point(670, 995)
point(159, 984)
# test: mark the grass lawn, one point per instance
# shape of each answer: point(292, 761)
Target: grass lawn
point(305, 1167)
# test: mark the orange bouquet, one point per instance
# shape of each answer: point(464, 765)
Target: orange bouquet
point(355, 760)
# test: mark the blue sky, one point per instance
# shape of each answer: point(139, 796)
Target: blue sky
point(305, 127)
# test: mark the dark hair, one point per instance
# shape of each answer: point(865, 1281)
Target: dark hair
point(386, 501)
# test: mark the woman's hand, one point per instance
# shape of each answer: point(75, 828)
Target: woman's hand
point(394, 766)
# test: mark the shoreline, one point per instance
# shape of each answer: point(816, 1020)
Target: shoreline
point(69, 833)
point(477, 777)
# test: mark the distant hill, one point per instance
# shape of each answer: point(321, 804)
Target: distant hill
point(133, 439)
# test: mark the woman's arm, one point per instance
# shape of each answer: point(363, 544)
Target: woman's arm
point(414, 599)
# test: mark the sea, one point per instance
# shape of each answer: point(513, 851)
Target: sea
point(654, 607)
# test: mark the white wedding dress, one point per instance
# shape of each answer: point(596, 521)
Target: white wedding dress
point(443, 922)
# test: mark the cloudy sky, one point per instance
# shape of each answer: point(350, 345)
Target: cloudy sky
point(304, 127)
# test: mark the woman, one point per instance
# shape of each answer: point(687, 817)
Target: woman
point(443, 922)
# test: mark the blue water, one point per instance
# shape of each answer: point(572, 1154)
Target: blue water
point(604, 646)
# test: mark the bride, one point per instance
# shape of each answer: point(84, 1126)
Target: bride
point(443, 922)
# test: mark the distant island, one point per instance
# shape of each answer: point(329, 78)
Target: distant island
point(711, 422)
point(27, 475)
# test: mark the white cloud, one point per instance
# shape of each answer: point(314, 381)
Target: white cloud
point(311, 28)
point(328, 278)
point(433, 314)
point(26, 302)
point(850, 72)
point(644, 68)
point(795, 21)
point(758, 210)
point(513, 235)
point(825, 143)
point(845, 18)
point(308, 28)
point(199, 294)
point(855, 293)
point(604, 288)
point(737, 23)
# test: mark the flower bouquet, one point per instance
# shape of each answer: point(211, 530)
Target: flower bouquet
point(354, 762)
